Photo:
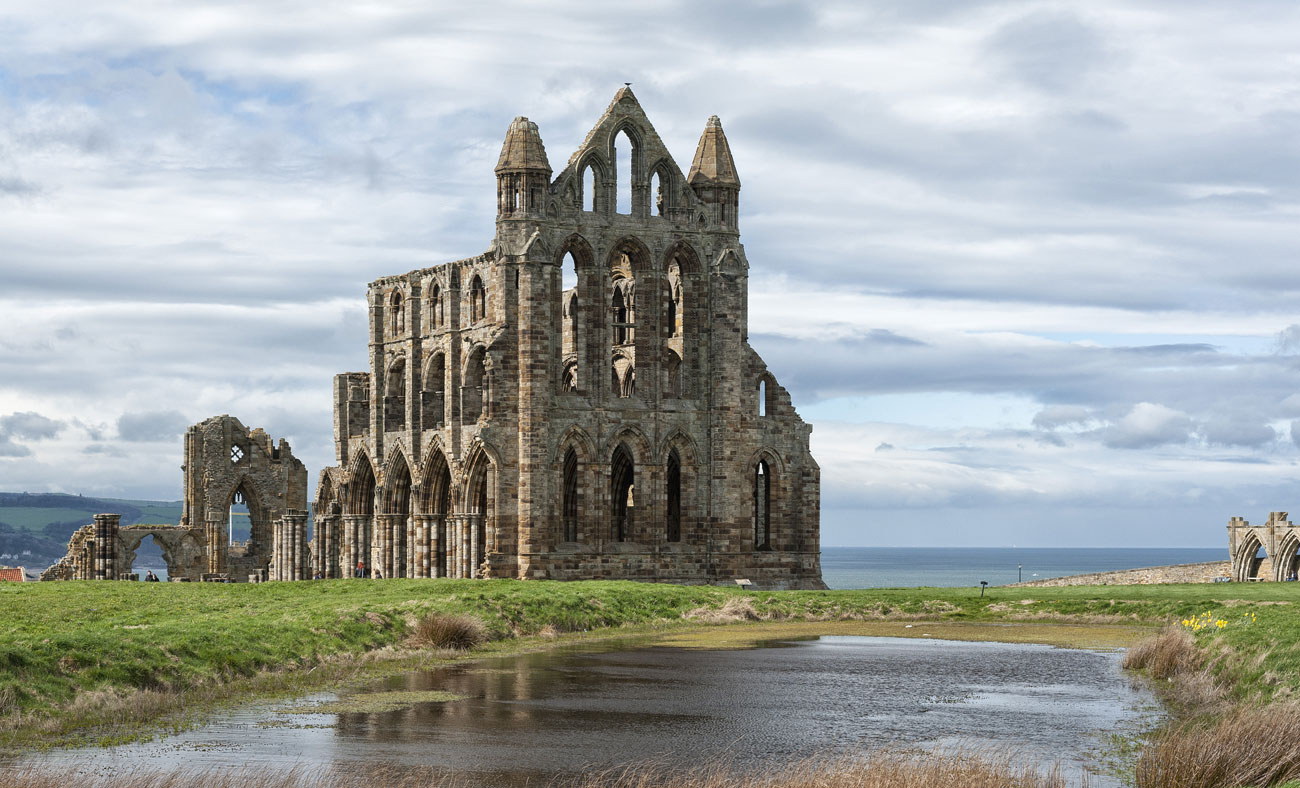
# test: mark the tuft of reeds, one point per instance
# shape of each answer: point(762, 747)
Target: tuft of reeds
point(1168, 654)
point(736, 608)
point(442, 630)
point(883, 770)
point(1247, 748)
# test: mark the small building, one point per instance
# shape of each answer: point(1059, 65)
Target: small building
point(13, 574)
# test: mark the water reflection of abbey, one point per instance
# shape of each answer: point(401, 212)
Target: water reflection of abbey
point(579, 401)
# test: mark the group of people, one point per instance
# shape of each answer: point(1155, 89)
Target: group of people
point(360, 571)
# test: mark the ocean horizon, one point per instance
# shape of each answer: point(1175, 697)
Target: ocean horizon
point(906, 567)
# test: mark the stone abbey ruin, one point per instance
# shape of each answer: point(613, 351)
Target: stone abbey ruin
point(580, 401)
point(226, 465)
point(1268, 552)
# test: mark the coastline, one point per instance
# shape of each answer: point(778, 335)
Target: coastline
point(1204, 572)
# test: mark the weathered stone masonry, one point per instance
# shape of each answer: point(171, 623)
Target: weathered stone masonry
point(1268, 552)
point(225, 463)
point(621, 427)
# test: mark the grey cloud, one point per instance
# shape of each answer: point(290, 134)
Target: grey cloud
point(1054, 416)
point(1148, 425)
point(151, 425)
point(1288, 340)
point(29, 425)
point(1237, 431)
point(1051, 50)
point(10, 449)
point(1295, 432)
point(12, 184)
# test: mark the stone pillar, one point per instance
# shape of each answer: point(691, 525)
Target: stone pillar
point(295, 532)
point(435, 531)
point(106, 526)
point(472, 526)
point(412, 548)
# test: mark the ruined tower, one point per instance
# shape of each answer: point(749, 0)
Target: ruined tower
point(615, 425)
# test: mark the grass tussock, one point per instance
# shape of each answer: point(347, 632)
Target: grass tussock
point(441, 630)
point(888, 770)
point(734, 609)
point(882, 771)
point(1248, 747)
point(1171, 653)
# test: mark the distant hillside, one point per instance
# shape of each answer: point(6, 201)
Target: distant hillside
point(35, 527)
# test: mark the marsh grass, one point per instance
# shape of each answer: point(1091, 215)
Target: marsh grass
point(888, 770)
point(1248, 747)
point(1171, 653)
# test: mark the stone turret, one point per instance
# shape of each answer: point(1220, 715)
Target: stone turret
point(523, 173)
point(713, 174)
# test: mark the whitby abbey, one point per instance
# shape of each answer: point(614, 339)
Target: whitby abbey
point(580, 401)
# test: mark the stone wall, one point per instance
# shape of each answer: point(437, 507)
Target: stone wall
point(1154, 575)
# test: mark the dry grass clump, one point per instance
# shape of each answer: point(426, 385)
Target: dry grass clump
point(1168, 654)
point(1249, 748)
point(736, 608)
point(440, 630)
point(890, 770)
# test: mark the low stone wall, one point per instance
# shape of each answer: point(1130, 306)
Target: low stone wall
point(1179, 573)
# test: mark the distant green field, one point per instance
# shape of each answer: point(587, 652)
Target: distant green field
point(34, 518)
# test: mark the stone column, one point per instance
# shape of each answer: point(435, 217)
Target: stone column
point(106, 526)
point(473, 527)
point(411, 547)
point(296, 532)
point(435, 531)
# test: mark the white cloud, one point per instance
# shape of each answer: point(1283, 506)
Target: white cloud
point(1059, 243)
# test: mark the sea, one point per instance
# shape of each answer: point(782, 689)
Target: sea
point(906, 567)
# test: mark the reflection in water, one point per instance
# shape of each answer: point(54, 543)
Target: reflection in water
point(536, 715)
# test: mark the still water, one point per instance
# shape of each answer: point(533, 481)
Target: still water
point(535, 716)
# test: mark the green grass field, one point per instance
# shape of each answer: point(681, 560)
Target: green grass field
point(112, 661)
point(63, 638)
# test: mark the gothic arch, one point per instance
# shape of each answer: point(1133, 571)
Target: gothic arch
point(636, 441)
point(688, 261)
point(360, 496)
point(584, 256)
point(1286, 561)
point(637, 252)
point(1246, 563)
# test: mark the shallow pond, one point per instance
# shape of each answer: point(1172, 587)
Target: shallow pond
point(532, 716)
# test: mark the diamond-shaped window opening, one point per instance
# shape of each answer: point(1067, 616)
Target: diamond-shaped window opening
point(236, 454)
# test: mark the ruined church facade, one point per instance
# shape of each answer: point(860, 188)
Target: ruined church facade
point(615, 425)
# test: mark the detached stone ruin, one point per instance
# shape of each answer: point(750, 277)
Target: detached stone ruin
point(579, 401)
point(1268, 552)
point(225, 464)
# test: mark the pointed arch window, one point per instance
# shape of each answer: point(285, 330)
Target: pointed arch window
point(474, 395)
point(673, 526)
point(435, 307)
point(396, 314)
point(432, 398)
point(570, 502)
point(589, 188)
point(762, 506)
point(477, 299)
point(624, 154)
point(570, 331)
point(395, 396)
point(622, 490)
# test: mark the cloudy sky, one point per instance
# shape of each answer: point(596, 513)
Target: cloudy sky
point(1030, 268)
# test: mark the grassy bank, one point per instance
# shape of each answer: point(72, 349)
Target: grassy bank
point(101, 658)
